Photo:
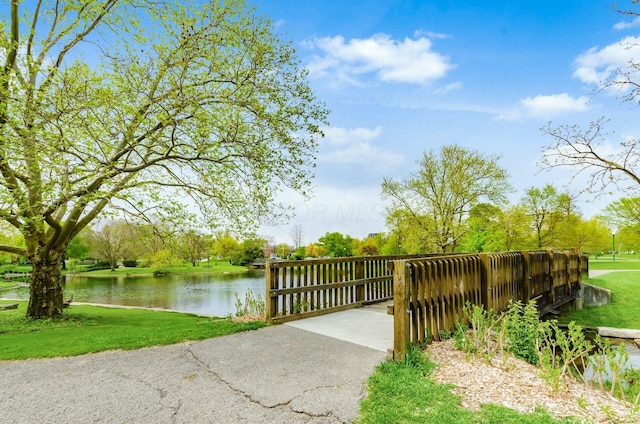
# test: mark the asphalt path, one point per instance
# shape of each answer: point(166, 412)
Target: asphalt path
point(278, 374)
point(308, 371)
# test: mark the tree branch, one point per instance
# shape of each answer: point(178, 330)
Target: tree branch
point(13, 249)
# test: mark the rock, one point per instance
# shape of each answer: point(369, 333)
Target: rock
point(620, 333)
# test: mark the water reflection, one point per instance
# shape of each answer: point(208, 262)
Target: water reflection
point(195, 293)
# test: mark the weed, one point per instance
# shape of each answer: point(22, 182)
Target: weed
point(443, 334)
point(252, 305)
point(300, 305)
point(562, 353)
point(519, 330)
point(476, 338)
point(582, 402)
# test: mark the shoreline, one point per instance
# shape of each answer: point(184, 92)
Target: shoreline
point(150, 274)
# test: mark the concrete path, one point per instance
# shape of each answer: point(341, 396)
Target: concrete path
point(279, 374)
point(369, 326)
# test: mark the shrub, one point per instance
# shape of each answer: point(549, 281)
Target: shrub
point(521, 328)
point(130, 263)
point(99, 266)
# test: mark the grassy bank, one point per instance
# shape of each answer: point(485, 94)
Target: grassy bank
point(624, 309)
point(87, 329)
point(203, 268)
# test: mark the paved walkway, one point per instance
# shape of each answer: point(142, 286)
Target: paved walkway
point(309, 371)
point(292, 373)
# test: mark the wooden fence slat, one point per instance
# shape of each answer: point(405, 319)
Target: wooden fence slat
point(401, 324)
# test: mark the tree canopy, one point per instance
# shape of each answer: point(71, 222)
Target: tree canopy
point(436, 199)
point(139, 106)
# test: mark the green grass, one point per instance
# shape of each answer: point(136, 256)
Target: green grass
point(7, 284)
point(401, 392)
point(87, 329)
point(14, 268)
point(204, 268)
point(623, 261)
point(624, 309)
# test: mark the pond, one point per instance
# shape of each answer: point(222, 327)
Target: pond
point(213, 294)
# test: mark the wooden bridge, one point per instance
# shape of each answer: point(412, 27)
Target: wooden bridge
point(428, 291)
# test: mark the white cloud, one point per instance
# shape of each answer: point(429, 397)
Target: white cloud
point(597, 65)
point(449, 87)
point(431, 34)
point(350, 146)
point(407, 61)
point(347, 210)
point(635, 23)
point(341, 136)
point(545, 106)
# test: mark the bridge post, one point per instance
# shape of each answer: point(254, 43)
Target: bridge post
point(551, 295)
point(271, 302)
point(359, 275)
point(526, 276)
point(485, 278)
point(401, 311)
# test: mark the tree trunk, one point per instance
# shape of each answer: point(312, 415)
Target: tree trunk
point(45, 292)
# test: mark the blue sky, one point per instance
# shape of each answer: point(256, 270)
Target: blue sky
point(405, 77)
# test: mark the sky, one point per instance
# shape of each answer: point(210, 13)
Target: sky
point(402, 78)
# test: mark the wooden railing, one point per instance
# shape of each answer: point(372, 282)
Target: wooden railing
point(301, 289)
point(430, 293)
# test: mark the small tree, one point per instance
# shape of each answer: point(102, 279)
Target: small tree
point(368, 247)
point(110, 242)
point(226, 246)
point(314, 250)
point(297, 236)
point(283, 250)
point(336, 244)
point(194, 246)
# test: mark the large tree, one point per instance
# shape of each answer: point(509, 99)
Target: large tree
point(137, 104)
point(542, 205)
point(624, 212)
point(437, 198)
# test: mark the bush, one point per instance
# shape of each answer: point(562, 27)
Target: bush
point(522, 329)
point(99, 266)
point(130, 263)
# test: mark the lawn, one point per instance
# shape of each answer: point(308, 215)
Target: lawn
point(622, 261)
point(87, 329)
point(7, 284)
point(624, 309)
point(204, 268)
point(187, 268)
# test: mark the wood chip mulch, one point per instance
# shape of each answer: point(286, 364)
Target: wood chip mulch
point(517, 384)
